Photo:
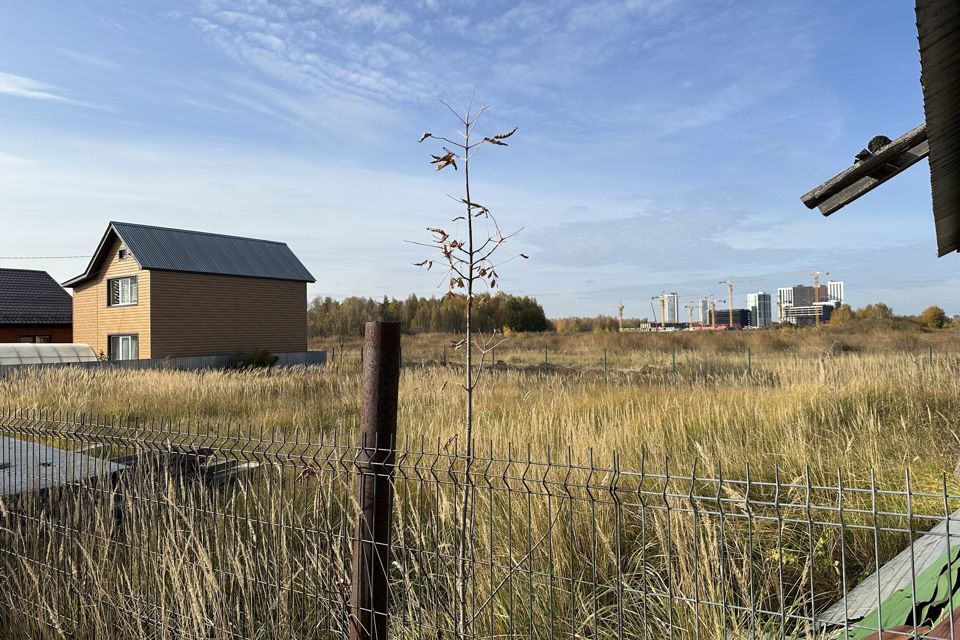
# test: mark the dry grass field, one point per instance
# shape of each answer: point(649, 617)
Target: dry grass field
point(887, 400)
point(804, 403)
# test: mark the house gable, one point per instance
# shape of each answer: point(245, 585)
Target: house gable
point(93, 320)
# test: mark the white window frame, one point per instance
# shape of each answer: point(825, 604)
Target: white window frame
point(124, 347)
point(127, 291)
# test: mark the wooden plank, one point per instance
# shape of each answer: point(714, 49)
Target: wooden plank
point(894, 575)
point(870, 182)
point(27, 467)
point(906, 143)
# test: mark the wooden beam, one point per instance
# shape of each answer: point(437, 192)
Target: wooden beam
point(867, 175)
point(900, 572)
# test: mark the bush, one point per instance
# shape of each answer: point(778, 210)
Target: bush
point(259, 359)
point(934, 318)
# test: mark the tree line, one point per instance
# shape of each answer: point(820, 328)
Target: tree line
point(933, 317)
point(509, 313)
point(501, 312)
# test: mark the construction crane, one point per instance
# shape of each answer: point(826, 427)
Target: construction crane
point(690, 307)
point(663, 308)
point(729, 283)
point(713, 311)
point(620, 314)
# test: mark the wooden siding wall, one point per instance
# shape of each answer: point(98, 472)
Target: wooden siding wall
point(93, 320)
point(201, 314)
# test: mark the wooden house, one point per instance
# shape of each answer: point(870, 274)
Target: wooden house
point(33, 308)
point(154, 292)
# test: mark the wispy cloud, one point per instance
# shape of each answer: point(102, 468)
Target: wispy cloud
point(87, 58)
point(24, 87)
point(410, 53)
point(593, 68)
point(10, 158)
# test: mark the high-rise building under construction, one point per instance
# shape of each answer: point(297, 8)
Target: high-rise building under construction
point(835, 291)
point(759, 306)
point(672, 308)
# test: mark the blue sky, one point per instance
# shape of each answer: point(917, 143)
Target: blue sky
point(662, 144)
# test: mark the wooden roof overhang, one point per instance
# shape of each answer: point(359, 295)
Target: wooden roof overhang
point(866, 175)
point(938, 32)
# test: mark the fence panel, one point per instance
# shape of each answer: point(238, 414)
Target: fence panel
point(207, 531)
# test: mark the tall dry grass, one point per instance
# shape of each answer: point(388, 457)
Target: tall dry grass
point(846, 411)
point(548, 564)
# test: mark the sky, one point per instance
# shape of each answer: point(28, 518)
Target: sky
point(661, 144)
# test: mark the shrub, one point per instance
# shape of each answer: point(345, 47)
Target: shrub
point(934, 318)
point(259, 359)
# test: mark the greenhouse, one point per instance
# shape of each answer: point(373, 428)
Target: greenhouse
point(29, 353)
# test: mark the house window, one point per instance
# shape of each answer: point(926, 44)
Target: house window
point(124, 347)
point(122, 291)
point(122, 254)
point(36, 339)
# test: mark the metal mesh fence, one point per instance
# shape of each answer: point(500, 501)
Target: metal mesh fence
point(134, 529)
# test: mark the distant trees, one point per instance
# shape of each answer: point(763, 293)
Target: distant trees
point(501, 312)
point(875, 311)
point(596, 324)
point(843, 314)
point(934, 317)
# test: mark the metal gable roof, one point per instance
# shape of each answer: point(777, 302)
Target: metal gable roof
point(938, 29)
point(33, 297)
point(164, 249)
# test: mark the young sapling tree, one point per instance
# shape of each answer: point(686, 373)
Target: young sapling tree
point(470, 262)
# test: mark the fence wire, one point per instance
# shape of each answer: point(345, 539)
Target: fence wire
point(133, 529)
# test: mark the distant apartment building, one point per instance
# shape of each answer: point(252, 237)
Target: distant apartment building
point(784, 299)
point(704, 307)
point(806, 315)
point(801, 304)
point(759, 304)
point(805, 295)
point(741, 318)
point(673, 308)
point(835, 291)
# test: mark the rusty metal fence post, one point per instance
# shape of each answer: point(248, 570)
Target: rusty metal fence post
point(370, 593)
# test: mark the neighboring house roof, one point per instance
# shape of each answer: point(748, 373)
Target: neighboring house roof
point(163, 249)
point(938, 28)
point(33, 298)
